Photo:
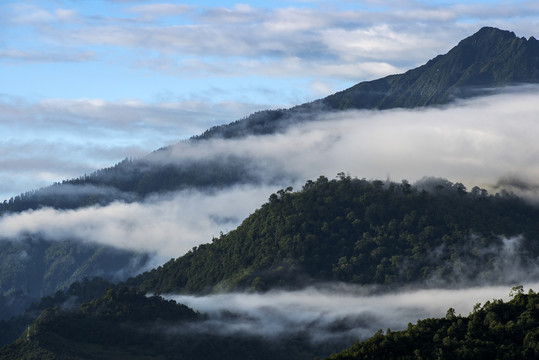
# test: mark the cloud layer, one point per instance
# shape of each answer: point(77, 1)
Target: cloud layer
point(476, 142)
point(331, 312)
point(166, 226)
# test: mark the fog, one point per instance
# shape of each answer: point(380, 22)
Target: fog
point(332, 311)
point(489, 142)
point(167, 226)
point(476, 142)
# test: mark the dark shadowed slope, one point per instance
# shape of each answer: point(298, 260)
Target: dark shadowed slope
point(130, 325)
point(490, 58)
point(33, 267)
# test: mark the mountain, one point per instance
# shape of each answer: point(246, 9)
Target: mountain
point(122, 324)
point(33, 267)
point(496, 330)
point(349, 230)
point(489, 59)
point(363, 232)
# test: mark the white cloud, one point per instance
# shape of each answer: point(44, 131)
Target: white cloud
point(404, 34)
point(331, 312)
point(379, 42)
point(476, 142)
point(45, 56)
point(32, 14)
point(168, 226)
point(152, 11)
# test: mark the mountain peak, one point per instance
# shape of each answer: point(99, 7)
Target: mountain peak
point(489, 31)
point(489, 58)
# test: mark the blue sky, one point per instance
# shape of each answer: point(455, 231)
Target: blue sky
point(87, 83)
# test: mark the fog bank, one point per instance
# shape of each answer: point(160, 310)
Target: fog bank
point(332, 311)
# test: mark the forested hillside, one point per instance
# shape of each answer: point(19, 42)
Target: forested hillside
point(496, 330)
point(346, 229)
point(363, 232)
point(128, 325)
point(72, 297)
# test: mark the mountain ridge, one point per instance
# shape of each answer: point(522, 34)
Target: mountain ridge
point(362, 232)
point(479, 61)
point(489, 59)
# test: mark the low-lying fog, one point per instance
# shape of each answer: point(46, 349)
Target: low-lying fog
point(331, 312)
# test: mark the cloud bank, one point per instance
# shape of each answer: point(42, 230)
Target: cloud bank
point(333, 312)
point(167, 226)
point(476, 142)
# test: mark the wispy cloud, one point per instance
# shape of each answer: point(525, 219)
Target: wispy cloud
point(152, 11)
point(330, 312)
point(167, 226)
point(45, 57)
point(405, 34)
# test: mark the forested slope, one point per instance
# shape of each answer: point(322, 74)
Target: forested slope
point(123, 324)
point(496, 330)
point(364, 232)
point(33, 267)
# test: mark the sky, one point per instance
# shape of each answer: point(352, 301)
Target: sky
point(88, 83)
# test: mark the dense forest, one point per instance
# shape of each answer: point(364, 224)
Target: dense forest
point(76, 294)
point(363, 232)
point(345, 229)
point(123, 324)
point(496, 330)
